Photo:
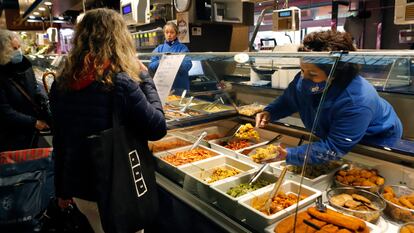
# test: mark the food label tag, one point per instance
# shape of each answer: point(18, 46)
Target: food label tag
point(165, 75)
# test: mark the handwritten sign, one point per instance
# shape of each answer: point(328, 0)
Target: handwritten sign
point(165, 75)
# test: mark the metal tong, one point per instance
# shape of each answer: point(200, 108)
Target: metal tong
point(319, 204)
point(183, 109)
point(182, 97)
point(214, 103)
point(197, 142)
point(258, 173)
point(275, 190)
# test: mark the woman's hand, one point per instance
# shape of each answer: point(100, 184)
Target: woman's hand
point(41, 125)
point(262, 119)
point(282, 152)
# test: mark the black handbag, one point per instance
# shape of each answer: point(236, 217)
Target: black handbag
point(126, 187)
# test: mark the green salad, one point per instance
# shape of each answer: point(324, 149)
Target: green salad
point(244, 188)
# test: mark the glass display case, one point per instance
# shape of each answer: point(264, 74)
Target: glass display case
point(226, 91)
point(217, 174)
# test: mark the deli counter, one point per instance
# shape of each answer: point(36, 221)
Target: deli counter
point(210, 182)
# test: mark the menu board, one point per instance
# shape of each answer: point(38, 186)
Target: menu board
point(165, 74)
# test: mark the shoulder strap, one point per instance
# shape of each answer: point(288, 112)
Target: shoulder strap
point(24, 93)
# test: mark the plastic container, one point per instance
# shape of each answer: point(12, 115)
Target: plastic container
point(197, 174)
point(259, 220)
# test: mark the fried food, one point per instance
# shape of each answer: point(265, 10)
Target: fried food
point(236, 145)
point(358, 197)
point(286, 225)
point(173, 98)
point(265, 153)
point(351, 204)
point(190, 156)
point(250, 110)
point(407, 228)
point(340, 199)
point(338, 219)
point(279, 202)
point(247, 132)
point(221, 173)
point(403, 200)
point(331, 221)
point(403, 209)
point(360, 177)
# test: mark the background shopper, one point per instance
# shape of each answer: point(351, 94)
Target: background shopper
point(20, 119)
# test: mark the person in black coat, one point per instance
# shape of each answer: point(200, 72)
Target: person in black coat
point(20, 120)
point(101, 66)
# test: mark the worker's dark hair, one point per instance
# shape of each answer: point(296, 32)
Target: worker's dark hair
point(328, 41)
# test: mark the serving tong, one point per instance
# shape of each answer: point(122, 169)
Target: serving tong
point(321, 208)
point(258, 173)
point(214, 103)
point(275, 190)
point(182, 97)
point(198, 141)
point(183, 109)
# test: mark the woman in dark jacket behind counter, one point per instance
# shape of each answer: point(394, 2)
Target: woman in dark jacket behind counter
point(19, 121)
point(100, 67)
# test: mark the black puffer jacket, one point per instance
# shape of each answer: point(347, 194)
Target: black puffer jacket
point(17, 116)
point(78, 114)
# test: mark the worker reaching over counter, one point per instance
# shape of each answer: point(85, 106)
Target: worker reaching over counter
point(352, 109)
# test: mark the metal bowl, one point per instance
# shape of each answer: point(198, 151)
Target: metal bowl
point(396, 212)
point(369, 216)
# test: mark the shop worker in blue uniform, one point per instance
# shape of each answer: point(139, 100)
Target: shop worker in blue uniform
point(352, 109)
point(172, 45)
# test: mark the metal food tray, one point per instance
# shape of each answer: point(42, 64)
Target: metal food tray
point(264, 135)
point(230, 204)
point(194, 182)
point(184, 102)
point(201, 107)
point(171, 171)
point(322, 182)
point(259, 220)
point(372, 228)
point(168, 138)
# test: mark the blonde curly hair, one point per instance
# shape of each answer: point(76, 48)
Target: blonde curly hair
point(101, 36)
point(6, 48)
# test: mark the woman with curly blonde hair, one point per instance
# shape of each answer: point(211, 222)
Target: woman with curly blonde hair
point(101, 66)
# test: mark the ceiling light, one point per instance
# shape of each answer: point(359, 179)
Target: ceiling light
point(48, 3)
point(42, 9)
point(61, 18)
point(36, 13)
point(32, 17)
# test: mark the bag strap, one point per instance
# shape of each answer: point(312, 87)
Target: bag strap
point(24, 93)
